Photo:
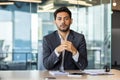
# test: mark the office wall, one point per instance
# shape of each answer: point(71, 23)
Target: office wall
point(116, 46)
point(116, 37)
point(116, 19)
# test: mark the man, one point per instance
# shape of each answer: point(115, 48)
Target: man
point(64, 47)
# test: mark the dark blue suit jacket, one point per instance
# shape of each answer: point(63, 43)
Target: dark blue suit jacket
point(52, 62)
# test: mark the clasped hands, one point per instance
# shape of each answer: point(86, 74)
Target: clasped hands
point(66, 45)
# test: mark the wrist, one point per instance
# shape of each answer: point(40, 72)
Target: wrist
point(74, 52)
point(57, 51)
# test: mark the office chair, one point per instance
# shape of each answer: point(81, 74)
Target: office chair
point(1, 51)
point(3, 55)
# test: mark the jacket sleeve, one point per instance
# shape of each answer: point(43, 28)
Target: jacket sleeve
point(49, 56)
point(82, 60)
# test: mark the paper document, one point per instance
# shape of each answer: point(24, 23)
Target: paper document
point(97, 72)
point(57, 73)
point(75, 74)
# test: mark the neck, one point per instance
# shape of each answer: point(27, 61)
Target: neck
point(63, 34)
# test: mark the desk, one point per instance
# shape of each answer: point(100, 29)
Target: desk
point(40, 75)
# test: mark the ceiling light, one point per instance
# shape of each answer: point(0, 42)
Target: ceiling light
point(47, 7)
point(33, 1)
point(114, 3)
point(6, 3)
point(80, 2)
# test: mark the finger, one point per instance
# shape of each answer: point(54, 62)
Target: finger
point(64, 45)
point(63, 42)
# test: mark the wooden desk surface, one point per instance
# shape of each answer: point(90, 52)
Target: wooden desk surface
point(41, 75)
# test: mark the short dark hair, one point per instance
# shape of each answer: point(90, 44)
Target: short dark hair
point(62, 9)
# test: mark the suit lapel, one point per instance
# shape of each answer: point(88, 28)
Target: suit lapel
point(71, 36)
point(57, 39)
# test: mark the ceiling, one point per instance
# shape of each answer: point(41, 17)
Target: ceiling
point(57, 3)
point(76, 2)
point(63, 2)
point(51, 4)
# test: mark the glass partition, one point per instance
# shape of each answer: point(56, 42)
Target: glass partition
point(18, 30)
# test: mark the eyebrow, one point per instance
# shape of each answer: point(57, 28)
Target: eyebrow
point(63, 17)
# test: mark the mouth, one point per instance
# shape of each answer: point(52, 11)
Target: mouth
point(63, 26)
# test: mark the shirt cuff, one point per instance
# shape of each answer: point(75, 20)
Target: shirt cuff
point(57, 54)
point(76, 56)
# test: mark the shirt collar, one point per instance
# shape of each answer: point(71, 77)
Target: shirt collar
point(62, 38)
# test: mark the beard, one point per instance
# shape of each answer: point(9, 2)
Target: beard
point(64, 30)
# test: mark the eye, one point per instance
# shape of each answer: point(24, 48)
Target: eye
point(58, 18)
point(67, 18)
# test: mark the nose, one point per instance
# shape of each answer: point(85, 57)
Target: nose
point(63, 20)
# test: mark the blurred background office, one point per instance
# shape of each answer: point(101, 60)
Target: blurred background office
point(23, 23)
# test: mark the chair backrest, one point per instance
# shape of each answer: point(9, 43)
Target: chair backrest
point(1, 54)
point(4, 52)
point(6, 49)
point(1, 50)
point(1, 43)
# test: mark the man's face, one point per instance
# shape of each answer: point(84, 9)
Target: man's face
point(63, 21)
